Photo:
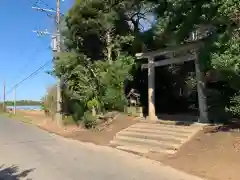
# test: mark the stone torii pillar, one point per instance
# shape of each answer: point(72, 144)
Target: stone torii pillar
point(151, 90)
point(174, 60)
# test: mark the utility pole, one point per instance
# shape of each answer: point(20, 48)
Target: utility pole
point(56, 48)
point(14, 103)
point(58, 43)
point(4, 95)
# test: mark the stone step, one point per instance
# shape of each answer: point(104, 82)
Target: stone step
point(140, 149)
point(167, 125)
point(153, 136)
point(163, 127)
point(147, 142)
point(148, 137)
point(131, 148)
point(158, 131)
point(171, 122)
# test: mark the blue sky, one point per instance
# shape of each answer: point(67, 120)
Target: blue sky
point(18, 44)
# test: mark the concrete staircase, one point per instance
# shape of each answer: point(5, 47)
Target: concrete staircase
point(145, 137)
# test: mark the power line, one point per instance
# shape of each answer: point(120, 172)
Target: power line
point(38, 2)
point(29, 76)
point(31, 58)
point(56, 48)
point(33, 3)
point(45, 4)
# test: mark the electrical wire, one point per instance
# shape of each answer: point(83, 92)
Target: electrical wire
point(36, 4)
point(31, 58)
point(31, 2)
point(34, 54)
point(40, 2)
point(45, 4)
point(29, 76)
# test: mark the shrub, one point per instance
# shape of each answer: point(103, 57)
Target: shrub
point(68, 120)
point(216, 106)
point(89, 121)
point(114, 99)
point(112, 79)
point(234, 107)
point(77, 110)
point(50, 101)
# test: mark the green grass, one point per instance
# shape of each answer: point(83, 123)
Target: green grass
point(4, 114)
point(17, 116)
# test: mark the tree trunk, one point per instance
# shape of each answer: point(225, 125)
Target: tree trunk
point(109, 47)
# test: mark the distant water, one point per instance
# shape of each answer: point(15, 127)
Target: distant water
point(37, 108)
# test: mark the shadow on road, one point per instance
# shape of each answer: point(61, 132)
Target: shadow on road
point(13, 173)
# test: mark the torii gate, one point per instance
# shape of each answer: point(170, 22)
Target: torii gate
point(174, 60)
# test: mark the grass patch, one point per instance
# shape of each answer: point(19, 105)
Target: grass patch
point(18, 116)
point(4, 114)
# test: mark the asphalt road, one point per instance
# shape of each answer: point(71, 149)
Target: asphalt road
point(27, 152)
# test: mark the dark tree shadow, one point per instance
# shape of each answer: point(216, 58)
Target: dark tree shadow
point(232, 125)
point(13, 173)
point(179, 119)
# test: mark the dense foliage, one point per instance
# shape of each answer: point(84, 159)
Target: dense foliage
point(101, 37)
point(24, 103)
point(49, 104)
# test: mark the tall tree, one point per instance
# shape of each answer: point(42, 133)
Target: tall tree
point(103, 35)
